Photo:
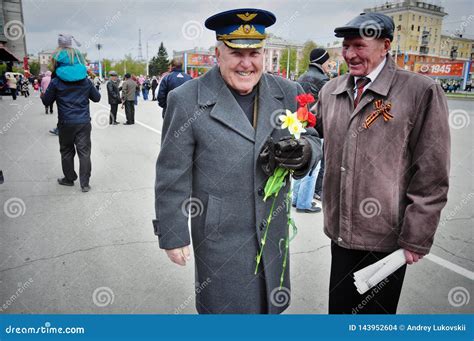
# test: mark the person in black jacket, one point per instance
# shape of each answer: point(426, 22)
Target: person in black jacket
point(113, 94)
point(311, 186)
point(154, 85)
point(72, 99)
point(171, 81)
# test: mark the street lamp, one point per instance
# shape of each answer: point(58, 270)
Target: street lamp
point(99, 46)
point(150, 38)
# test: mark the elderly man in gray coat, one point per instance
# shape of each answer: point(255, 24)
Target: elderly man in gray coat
point(210, 170)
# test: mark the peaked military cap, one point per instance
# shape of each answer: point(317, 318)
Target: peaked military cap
point(241, 28)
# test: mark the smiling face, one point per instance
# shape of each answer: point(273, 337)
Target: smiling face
point(363, 55)
point(240, 68)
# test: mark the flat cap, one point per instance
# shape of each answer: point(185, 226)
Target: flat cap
point(113, 73)
point(367, 26)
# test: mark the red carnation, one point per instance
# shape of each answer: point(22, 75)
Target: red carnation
point(311, 120)
point(304, 99)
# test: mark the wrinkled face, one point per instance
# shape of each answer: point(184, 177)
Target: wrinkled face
point(364, 55)
point(240, 68)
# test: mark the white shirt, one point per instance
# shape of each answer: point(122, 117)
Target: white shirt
point(371, 76)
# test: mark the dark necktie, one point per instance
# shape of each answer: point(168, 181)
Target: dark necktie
point(361, 83)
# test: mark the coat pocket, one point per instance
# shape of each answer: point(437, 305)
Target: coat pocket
point(213, 214)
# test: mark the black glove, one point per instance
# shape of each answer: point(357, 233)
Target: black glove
point(292, 154)
point(267, 157)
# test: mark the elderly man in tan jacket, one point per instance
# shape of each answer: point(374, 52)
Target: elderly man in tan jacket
point(387, 149)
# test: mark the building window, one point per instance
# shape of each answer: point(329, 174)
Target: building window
point(400, 17)
point(412, 27)
point(418, 28)
point(419, 18)
point(413, 18)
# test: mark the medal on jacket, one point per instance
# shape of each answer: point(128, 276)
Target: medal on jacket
point(381, 109)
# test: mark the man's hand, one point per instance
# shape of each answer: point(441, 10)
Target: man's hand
point(292, 154)
point(179, 255)
point(412, 257)
point(267, 157)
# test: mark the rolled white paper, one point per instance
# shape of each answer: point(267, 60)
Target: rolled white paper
point(370, 276)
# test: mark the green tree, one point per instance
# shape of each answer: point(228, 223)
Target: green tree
point(304, 60)
point(343, 68)
point(159, 63)
point(284, 60)
point(128, 65)
point(34, 67)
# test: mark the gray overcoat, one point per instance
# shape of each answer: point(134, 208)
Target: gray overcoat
point(209, 153)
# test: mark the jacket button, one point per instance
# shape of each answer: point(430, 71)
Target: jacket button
point(260, 191)
point(343, 169)
point(339, 239)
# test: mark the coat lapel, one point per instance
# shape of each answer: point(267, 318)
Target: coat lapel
point(213, 90)
point(270, 105)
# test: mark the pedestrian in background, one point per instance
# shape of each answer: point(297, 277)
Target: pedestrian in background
point(154, 85)
point(171, 81)
point(72, 90)
point(113, 94)
point(312, 81)
point(146, 88)
point(44, 85)
point(129, 89)
point(11, 82)
point(25, 87)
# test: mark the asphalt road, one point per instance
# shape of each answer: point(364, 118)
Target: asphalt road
point(64, 251)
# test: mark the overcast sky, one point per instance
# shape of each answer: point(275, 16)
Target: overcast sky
point(180, 24)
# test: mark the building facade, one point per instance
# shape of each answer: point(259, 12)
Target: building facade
point(419, 39)
point(44, 59)
point(12, 31)
point(275, 49)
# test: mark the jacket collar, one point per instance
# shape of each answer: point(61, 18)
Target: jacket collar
point(381, 85)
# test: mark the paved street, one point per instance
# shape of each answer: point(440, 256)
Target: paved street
point(74, 252)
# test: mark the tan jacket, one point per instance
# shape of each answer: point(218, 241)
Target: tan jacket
point(129, 87)
point(384, 187)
